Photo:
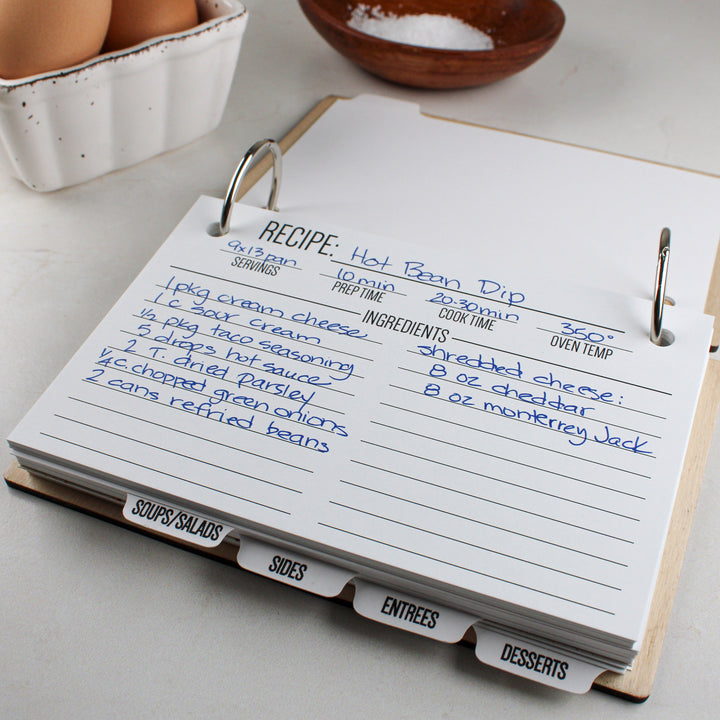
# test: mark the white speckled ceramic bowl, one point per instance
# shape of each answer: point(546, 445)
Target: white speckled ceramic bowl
point(66, 127)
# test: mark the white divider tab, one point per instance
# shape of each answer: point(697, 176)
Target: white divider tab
point(292, 568)
point(534, 662)
point(174, 521)
point(410, 613)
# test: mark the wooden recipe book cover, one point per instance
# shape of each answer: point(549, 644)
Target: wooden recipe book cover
point(421, 414)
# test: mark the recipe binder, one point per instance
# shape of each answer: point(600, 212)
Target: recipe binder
point(402, 607)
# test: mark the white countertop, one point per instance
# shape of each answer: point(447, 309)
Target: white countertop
point(101, 622)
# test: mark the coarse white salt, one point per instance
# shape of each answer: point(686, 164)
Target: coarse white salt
point(424, 30)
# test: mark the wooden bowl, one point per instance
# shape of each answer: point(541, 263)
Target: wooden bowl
point(522, 31)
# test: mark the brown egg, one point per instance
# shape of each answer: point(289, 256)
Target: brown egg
point(133, 21)
point(37, 36)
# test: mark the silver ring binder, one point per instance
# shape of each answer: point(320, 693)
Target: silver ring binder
point(249, 159)
point(658, 335)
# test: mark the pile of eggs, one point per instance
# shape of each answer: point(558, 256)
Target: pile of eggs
point(37, 36)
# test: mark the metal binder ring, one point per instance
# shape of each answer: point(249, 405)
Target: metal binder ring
point(249, 159)
point(657, 334)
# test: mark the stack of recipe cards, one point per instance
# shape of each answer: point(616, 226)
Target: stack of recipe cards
point(468, 447)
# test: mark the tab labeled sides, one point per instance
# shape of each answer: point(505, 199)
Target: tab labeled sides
point(292, 568)
point(410, 613)
point(174, 521)
point(543, 665)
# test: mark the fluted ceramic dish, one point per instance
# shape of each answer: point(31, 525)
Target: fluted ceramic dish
point(66, 127)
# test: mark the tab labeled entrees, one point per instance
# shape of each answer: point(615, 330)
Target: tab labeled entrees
point(407, 612)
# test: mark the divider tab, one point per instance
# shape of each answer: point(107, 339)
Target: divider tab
point(410, 613)
point(292, 568)
point(529, 660)
point(175, 522)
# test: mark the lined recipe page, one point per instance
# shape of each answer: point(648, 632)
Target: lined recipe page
point(513, 438)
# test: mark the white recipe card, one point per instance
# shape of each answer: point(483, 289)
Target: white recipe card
point(492, 436)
